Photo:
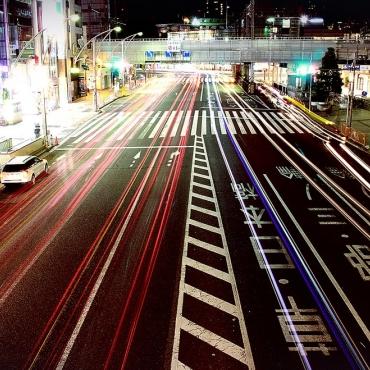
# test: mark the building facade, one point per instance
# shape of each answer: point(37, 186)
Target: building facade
point(95, 16)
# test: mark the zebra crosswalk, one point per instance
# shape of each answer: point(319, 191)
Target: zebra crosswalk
point(202, 122)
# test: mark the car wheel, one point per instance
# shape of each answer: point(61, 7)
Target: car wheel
point(33, 179)
point(46, 169)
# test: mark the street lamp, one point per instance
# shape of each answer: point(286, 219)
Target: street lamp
point(93, 42)
point(124, 43)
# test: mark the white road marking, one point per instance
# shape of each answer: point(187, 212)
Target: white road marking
point(158, 125)
point(204, 123)
point(168, 123)
point(282, 123)
point(195, 123)
point(230, 123)
point(177, 123)
point(91, 298)
point(326, 269)
point(148, 127)
point(246, 120)
point(221, 123)
point(239, 123)
point(222, 344)
point(210, 299)
point(186, 123)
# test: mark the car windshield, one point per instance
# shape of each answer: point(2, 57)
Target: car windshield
point(15, 167)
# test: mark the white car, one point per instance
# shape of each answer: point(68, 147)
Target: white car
point(23, 169)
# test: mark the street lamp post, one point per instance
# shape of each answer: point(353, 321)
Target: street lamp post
point(124, 43)
point(93, 42)
point(351, 93)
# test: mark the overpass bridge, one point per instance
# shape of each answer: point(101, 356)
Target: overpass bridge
point(232, 50)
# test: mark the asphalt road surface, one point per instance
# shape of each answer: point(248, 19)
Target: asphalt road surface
point(189, 226)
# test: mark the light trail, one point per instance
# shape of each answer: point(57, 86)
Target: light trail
point(345, 341)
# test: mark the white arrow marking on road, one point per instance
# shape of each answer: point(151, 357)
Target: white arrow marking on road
point(136, 156)
point(172, 155)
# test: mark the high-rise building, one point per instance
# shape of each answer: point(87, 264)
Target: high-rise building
point(214, 9)
point(95, 16)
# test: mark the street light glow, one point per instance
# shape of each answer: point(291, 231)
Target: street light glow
point(74, 17)
point(117, 29)
point(140, 34)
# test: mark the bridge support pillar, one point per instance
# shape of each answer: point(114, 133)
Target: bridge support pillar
point(248, 77)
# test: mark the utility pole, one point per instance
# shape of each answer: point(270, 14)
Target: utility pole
point(352, 92)
point(251, 9)
point(95, 93)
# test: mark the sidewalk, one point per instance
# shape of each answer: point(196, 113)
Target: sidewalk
point(360, 121)
point(59, 122)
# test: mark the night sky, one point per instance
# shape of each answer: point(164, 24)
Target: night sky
point(143, 15)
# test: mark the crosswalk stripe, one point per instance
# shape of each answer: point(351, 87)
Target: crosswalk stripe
point(282, 123)
point(299, 122)
point(213, 122)
point(255, 122)
point(195, 123)
point(168, 123)
point(270, 128)
point(148, 127)
point(290, 123)
point(221, 123)
point(246, 120)
point(230, 123)
point(274, 123)
point(158, 125)
point(239, 123)
point(204, 123)
point(186, 123)
point(93, 122)
point(177, 123)
point(96, 127)
point(128, 125)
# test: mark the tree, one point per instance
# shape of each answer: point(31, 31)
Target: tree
point(328, 81)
